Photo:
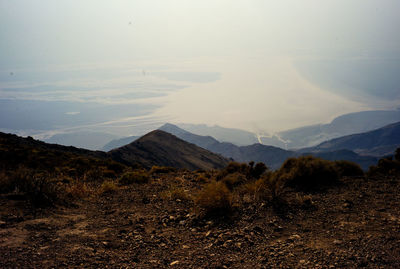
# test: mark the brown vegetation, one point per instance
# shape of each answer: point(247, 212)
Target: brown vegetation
point(139, 177)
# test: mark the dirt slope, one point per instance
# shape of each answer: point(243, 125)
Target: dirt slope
point(352, 225)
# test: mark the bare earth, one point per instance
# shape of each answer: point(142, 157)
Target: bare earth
point(356, 224)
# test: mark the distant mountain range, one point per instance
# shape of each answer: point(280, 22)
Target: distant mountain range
point(87, 140)
point(232, 135)
point(298, 138)
point(273, 157)
point(116, 143)
point(174, 146)
point(164, 149)
point(379, 142)
point(347, 124)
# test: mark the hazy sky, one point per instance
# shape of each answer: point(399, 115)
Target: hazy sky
point(253, 64)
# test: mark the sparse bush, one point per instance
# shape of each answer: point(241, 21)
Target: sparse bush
point(385, 167)
point(397, 155)
point(234, 180)
point(139, 177)
point(202, 178)
point(162, 169)
point(232, 167)
point(258, 189)
point(77, 189)
point(214, 199)
point(93, 174)
point(174, 193)
point(305, 201)
point(40, 188)
point(348, 169)
point(108, 186)
point(6, 183)
point(258, 170)
point(109, 173)
point(306, 172)
point(249, 171)
point(116, 167)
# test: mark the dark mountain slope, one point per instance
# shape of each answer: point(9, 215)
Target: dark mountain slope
point(17, 153)
point(13, 141)
point(161, 148)
point(380, 142)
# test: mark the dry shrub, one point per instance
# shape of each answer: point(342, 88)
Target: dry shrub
point(231, 168)
point(257, 189)
point(107, 173)
point(93, 174)
point(108, 186)
point(348, 169)
point(139, 177)
point(202, 178)
point(234, 180)
point(39, 187)
point(397, 154)
point(162, 169)
point(305, 201)
point(306, 173)
point(255, 171)
point(249, 171)
point(214, 199)
point(385, 167)
point(175, 193)
point(77, 189)
point(6, 183)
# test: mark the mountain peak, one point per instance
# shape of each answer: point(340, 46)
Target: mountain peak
point(173, 129)
point(162, 148)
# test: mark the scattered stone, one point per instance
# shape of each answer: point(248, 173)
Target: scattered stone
point(174, 263)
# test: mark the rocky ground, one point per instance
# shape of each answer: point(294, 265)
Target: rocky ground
point(353, 225)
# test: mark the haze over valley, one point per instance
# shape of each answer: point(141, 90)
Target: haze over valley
point(126, 68)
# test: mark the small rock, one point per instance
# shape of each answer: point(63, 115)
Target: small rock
point(174, 263)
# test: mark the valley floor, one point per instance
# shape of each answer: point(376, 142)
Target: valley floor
point(353, 225)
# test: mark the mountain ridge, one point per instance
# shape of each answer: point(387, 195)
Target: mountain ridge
point(165, 149)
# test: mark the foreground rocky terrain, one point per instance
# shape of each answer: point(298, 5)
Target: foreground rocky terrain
point(156, 225)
